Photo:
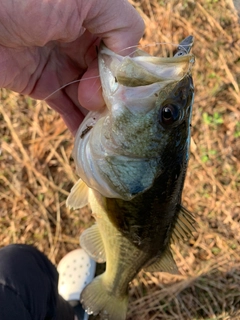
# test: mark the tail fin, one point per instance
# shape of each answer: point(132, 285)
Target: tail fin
point(96, 300)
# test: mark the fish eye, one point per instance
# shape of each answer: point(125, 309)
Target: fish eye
point(170, 113)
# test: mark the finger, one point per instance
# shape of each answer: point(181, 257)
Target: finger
point(116, 22)
point(71, 90)
point(72, 115)
point(90, 90)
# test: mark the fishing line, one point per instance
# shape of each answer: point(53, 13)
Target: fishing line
point(68, 84)
point(150, 45)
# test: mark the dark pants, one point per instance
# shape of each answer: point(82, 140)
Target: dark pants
point(28, 286)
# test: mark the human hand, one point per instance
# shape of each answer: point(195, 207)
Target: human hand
point(46, 44)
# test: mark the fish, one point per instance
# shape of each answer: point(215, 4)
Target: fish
point(132, 158)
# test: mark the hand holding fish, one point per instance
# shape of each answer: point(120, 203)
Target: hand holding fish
point(46, 44)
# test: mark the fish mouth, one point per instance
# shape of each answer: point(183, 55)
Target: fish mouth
point(142, 69)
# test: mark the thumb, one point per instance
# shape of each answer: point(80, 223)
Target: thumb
point(119, 25)
point(115, 21)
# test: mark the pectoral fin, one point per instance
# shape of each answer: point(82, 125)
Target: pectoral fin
point(91, 242)
point(78, 197)
point(184, 226)
point(165, 263)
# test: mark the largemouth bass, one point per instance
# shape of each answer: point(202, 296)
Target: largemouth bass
point(132, 159)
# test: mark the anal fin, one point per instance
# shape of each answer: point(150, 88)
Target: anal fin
point(78, 197)
point(91, 242)
point(165, 263)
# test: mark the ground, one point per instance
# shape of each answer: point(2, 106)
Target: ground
point(37, 171)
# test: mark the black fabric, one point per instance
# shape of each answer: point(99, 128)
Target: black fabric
point(28, 286)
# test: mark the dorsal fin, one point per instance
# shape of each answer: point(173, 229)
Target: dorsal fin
point(78, 197)
point(184, 225)
point(91, 242)
point(165, 263)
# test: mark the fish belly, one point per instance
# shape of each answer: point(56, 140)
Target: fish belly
point(107, 295)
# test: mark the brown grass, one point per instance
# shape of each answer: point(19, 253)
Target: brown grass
point(37, 171)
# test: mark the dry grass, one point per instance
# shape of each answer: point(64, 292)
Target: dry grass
point(36, 172)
